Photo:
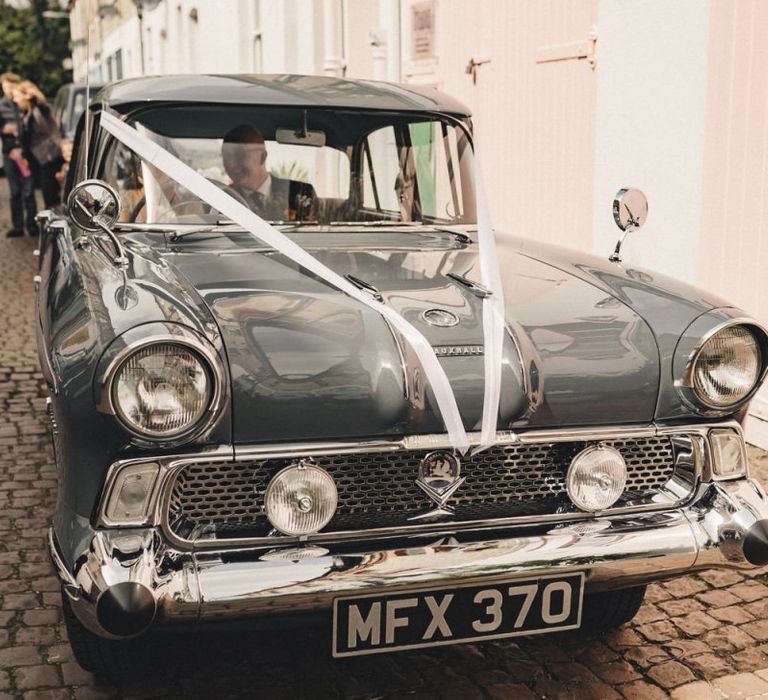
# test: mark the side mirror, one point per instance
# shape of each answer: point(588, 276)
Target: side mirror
point(93, 205)
point(630, 210)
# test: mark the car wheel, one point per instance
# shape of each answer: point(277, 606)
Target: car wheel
point(609, 609)
point(106, 658)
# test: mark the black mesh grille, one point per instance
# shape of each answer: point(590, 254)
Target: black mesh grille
point(379, 489)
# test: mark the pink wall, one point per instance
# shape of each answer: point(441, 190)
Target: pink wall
point(733, 246)
point(534, 121)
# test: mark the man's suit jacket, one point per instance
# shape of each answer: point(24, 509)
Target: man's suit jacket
point(290, 200)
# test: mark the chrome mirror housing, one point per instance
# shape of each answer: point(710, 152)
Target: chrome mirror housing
point(630, 210)
point(93, 205)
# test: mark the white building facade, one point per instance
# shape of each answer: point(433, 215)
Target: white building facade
point(571, 101)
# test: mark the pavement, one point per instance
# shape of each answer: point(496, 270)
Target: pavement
point(695, 638)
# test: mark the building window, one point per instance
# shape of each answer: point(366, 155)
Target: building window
point(119, 64)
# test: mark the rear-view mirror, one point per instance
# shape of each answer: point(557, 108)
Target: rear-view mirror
point(300, 138)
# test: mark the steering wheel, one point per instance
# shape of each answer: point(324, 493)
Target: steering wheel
point(231, 191)
point(167, 188)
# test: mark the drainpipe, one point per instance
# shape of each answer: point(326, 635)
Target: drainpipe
point(385, 42)
point(334, 64)
point(399, 50)
point(140, 15)
point(258, 39)
point(377, 38)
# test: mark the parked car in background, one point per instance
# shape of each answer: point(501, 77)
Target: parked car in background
point(237, 438)
point(69, 104)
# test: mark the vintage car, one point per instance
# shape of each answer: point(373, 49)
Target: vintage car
point(238, 438)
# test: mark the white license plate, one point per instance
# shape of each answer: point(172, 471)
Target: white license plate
point(378, 623)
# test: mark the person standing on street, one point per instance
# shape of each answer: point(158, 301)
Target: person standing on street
point(41, 140)
point(20, 181)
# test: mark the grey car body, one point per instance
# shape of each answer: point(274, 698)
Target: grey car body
point(594, 353)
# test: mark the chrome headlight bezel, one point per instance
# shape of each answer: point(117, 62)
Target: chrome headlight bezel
point(686, 385)
point(209, 361)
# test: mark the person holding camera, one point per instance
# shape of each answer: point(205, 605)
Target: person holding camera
point(41, 140)
point(16, 166)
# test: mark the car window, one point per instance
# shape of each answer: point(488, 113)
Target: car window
point(327, 169)
point(148, 195)
point(435, 151)
point(414, 172)
point(324, 166)
point(380, 170)
point(78, 105)
point(58, 105)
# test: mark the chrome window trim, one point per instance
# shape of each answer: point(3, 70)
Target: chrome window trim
point(685, 384)
point(185, 338)
point(170, 466)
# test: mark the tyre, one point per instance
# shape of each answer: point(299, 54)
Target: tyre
point(106, 658)
point(609, 609)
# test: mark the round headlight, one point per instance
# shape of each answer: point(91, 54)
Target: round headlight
point(596, 478)
point(727, 367)
point(162, 390)
point(300, 499)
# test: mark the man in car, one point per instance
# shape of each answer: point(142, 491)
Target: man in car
point(245, 156)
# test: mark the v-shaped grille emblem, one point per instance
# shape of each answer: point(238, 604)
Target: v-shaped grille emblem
point(439, 477)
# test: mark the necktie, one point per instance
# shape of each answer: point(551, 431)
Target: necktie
point(257, 201)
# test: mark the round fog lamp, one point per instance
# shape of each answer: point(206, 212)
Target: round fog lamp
point(596, 478)
point(300, 499)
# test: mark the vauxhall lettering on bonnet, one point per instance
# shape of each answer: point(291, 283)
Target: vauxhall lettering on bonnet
point(312, 379)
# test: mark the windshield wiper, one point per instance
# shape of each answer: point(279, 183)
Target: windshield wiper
point(290, 226)
point(461, 237)
point(366, 286)
point(296, 225)
point(475, 287)
point(178, 234)
point(377, 222)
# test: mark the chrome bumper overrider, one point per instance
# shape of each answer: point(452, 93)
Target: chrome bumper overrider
point(130, 579)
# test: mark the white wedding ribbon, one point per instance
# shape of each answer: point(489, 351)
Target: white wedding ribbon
point(494, 320)
point(493, 305)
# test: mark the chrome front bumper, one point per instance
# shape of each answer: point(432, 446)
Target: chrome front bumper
point(130, 579)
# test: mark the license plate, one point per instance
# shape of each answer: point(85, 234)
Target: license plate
point(378, 623)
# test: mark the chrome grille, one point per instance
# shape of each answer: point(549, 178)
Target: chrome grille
point(378, 489)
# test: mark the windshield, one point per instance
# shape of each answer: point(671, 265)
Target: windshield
point(300, 165)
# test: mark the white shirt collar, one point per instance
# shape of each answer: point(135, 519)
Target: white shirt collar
point(266, 187)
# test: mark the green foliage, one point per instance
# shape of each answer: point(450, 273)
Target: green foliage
point(33, 46)
point(290, 171)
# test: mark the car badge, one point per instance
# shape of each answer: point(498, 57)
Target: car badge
point(458, 350)
point(439, 477)
point(440, 317)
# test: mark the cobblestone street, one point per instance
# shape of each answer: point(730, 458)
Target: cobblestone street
point(690, 633)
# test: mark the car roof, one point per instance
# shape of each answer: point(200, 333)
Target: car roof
point(279, 90)
point(95, 87)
